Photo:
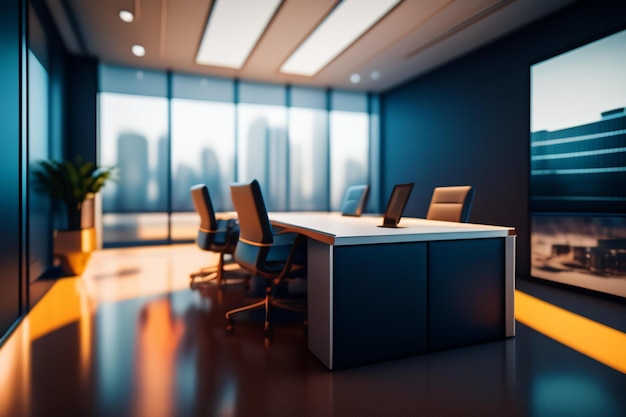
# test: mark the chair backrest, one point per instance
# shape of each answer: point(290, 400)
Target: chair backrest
point(202, 203)
point(354, 200)
point(254, 224)
point(255, 229)
point(451, 204)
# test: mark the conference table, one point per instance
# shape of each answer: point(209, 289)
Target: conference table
point(377, 293)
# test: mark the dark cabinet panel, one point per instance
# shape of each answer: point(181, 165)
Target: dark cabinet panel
point(465, 292)
point(384, 313)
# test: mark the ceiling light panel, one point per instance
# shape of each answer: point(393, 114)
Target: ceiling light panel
point(348, 21)
point(233, 29)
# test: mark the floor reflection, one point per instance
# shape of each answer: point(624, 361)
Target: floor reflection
point(15, 365)
point(158, 337)
point(142, 343)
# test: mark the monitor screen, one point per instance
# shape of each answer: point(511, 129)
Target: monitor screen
point(397, 203)
point(578, 166)
point(578, 130)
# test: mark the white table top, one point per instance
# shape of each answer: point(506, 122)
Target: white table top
point(335, 229)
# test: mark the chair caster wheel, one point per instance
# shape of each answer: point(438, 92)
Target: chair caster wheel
point(230, 327)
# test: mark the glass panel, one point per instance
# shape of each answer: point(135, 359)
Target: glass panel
point(203, 151)
point(39, 204)
point(373, 201)
point(203, 88)
point(262, 151)
point(142, 82)
point(184, 226)
point(349, 144)
point(308, 150)
point(348, 101)
point(133, 136)
point(130, 228)
point(256, 93)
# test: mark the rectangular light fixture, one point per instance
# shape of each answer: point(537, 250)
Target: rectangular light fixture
point(347, 22)
point(233, 29)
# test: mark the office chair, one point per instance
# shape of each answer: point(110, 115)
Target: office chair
point(273, 257)
point(213, 235)
point(451, 204)
point(354, 200)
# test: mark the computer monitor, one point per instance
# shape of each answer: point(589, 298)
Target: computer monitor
point(397, 203)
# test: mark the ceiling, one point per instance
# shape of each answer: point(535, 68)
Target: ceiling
point(413, 38)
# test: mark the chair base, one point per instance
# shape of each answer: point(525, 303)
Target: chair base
point(225, 272)
point(269, 303)
point(213, 277)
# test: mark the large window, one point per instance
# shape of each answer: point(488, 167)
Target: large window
point(167, 132)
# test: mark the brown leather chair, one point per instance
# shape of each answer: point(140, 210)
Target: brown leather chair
point(451, 204)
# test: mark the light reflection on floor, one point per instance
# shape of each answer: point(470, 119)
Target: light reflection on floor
point(114, 274)
point(130, 338)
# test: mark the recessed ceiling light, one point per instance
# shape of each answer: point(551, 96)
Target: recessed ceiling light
point(138, 50)
point(233, 29)
point(349, 20)
point(126, 16)
point(375, 75)
point(355, 78)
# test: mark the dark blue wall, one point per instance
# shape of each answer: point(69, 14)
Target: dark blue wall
point(468, 122)
point(48, 48)
point(45, 41)
point(81, 93)
point(10, 156)
point(26, 226)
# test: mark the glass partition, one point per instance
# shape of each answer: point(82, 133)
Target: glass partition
point(262, 141)
point(134, 133)
point(349, 144)
point(308, 150)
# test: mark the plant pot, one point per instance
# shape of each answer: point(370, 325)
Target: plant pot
point(72, 249)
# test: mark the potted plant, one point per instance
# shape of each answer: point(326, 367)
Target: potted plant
point(73, 184)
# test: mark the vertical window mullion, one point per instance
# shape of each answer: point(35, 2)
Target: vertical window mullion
point(168, 183)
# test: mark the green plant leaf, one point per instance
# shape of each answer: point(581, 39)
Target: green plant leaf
point(71, 182)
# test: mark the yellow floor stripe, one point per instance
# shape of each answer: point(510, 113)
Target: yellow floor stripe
point(600, 342)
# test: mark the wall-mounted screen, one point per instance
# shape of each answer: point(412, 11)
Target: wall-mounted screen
point(578, 166)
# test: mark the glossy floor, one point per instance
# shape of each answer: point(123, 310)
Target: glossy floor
point(130, 338)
